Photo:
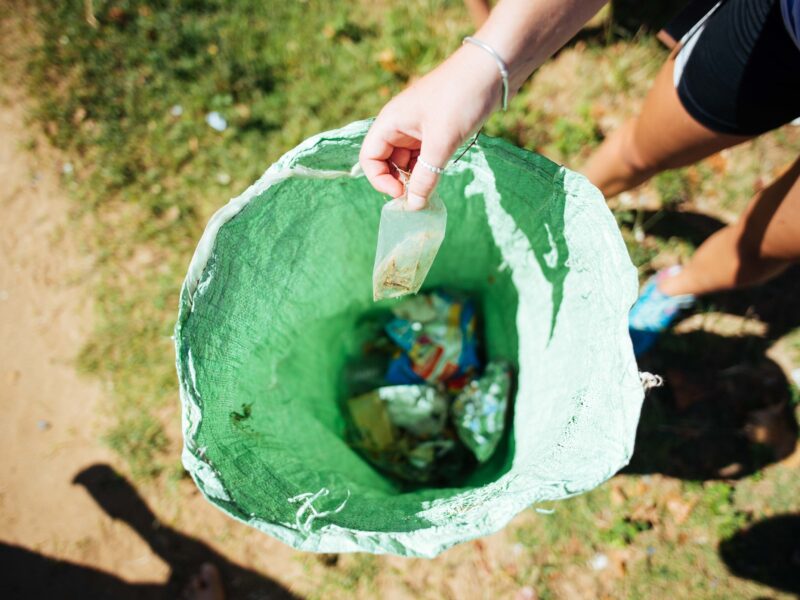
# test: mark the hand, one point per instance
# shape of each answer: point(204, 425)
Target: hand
point(431, 119)
point(437, 114)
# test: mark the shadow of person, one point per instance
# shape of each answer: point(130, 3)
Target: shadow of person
point(724, 411)
point(767, 551)
point(32, 575)
point(27, 574)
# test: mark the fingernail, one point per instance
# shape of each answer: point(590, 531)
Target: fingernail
point(416, 202)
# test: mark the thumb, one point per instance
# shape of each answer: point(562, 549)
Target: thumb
point(424, 177)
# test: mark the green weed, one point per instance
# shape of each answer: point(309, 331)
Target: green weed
point(673, 187)
point(139, 438)
point(572, 136)
point(623, 531)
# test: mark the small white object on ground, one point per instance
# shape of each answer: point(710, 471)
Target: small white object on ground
point(599, 561)
point(216, 121)
point(176, 110)
point(526, 593)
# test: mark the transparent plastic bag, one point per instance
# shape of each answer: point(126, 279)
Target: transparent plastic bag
point(408, 241)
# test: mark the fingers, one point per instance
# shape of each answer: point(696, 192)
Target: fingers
point(374, 152)
point(384, 143)
point(423, 181)
point(401, 157)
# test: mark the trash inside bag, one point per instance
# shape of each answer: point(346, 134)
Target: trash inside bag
point(479, 411)
point(408, 241)
point(439, 410)
point(436, 332)
point(401, 429)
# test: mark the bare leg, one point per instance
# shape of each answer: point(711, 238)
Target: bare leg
point(479, 11)
point(663, 136)
point(764, 242)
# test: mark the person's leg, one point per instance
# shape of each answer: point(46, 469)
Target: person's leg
point(479, 11)
point(663, 136)
point(760, 245)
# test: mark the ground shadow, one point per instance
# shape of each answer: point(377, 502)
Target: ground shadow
point(725, 410)
point(629, 18)
point(767, 551)
point(32, 575)
point(632, 16)
point(692, 227)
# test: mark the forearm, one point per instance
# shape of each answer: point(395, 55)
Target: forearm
point(527, 32)
point(438, 112)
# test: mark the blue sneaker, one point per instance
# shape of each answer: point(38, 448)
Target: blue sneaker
point(654, 312)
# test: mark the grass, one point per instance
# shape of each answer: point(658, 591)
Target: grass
point(127, 102)
point(673, 187)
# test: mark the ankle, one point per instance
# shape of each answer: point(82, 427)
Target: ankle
point(674, 283)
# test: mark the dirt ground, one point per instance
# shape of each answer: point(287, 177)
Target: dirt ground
point(59, 495)
point(50, 431)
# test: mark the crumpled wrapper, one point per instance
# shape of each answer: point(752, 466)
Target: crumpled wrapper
point(479, 411)
point(401, 429)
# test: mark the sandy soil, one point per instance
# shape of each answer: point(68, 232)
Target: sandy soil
point(49, 430)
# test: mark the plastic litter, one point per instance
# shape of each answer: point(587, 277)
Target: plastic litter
point(407, 428)
point(401, 429)
point(479, 411)
point(216, 121)
point(408, 241)
point(436, 332)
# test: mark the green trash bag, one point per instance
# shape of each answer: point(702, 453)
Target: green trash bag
point(269, 317)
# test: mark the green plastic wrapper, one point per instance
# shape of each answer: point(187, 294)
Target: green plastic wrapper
point(269, 315)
